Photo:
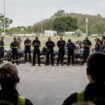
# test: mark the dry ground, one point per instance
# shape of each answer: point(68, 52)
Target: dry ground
point(47, 85)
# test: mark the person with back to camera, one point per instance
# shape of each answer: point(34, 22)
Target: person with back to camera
point(8, 81)
point(95, 91)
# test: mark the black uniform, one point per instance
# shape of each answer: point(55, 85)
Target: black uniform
point(27, 50)
point(103, 49)
point(97, 47)
point(93, 92)
point(71, 47)
point(15, 46)
point(8, 96)
point(61, 45)
point(50, 51)
point(1, 50)
point(36, 44)
point(86, 50)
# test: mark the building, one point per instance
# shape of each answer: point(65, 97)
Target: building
point(50, 33)
point(69, 33)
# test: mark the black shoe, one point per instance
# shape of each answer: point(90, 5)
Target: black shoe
point(17, 63)
point(57, 64)
point(46, 64)
point(62, 64)
point(52, 64)
point(39, 65)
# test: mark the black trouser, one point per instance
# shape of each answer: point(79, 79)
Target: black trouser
point(27, 55)
point(70, 56)
point(36, 53)
point(48, 55)
point(1, 55)
point(15, 55)
point(60, 57)
point(86, 53)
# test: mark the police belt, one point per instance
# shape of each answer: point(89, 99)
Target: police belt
point(21, 101)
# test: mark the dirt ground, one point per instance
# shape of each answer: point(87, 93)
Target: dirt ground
point(50, 85)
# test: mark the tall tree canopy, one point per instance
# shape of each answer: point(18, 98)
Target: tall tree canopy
point(65, 23)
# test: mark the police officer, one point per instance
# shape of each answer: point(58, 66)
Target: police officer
point(36, 44)
point(103, 49)
point(8, 81)
point(27, 44)
point(71, 47)
point(15, 46)
point(101, 46)
point(19, 41)
point(103, 38)
point(50, 51)
point(61, 45)
point(1, 49)
point(86, 49)
point(97, 45)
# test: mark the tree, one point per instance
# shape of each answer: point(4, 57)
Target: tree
point(65, 23)
point(7, 22)
point(59, 13)
point(78, 32)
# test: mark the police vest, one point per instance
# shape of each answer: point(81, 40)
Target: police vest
point(21, 101)
point(80, 97)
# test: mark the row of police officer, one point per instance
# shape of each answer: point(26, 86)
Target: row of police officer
point(61, 44)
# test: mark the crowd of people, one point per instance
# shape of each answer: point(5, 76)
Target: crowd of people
point(48, 50)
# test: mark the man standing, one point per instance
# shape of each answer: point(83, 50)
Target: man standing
point(86, 50)
point(1, 49)
point(50, 51)
point(15, 47)
point(27, 44)
point(36, 44)
point(61, 45)
point(71, 47)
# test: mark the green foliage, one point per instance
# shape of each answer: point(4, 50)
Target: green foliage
point(65, 23)
point(58, 14)
point(62, 21)
point(21, 30)
point(78, 32)
point(96, 23)
point(7, 22)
